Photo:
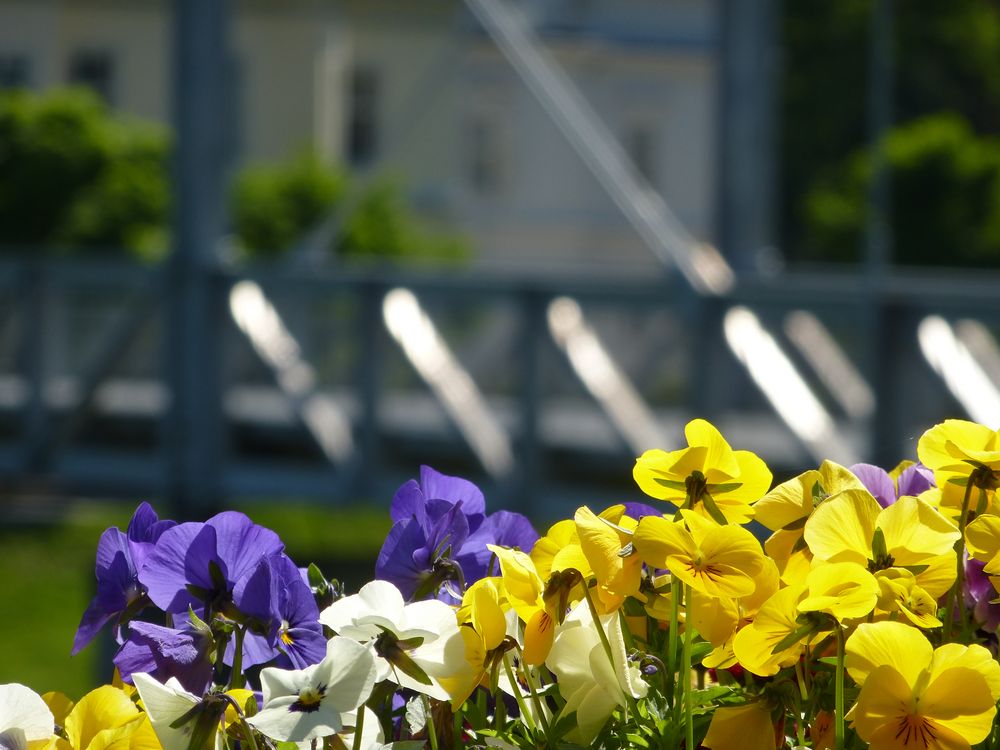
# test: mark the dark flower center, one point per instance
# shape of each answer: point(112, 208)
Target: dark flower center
point(309, 700)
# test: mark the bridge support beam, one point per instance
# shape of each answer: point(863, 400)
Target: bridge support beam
point(193, 433)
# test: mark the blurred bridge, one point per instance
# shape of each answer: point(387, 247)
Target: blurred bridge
point(335, 386)
point(198, 382)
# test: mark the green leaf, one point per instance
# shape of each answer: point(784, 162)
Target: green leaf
point(713, 509)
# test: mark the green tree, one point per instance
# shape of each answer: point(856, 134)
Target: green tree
point(276, 205)
point(946, 59)
point(74, 177)
point(946, 197)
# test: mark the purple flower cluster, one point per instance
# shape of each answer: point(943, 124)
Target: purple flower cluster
point(438, 540)
point(913, 480)
point(188, 600)
point(227, 581)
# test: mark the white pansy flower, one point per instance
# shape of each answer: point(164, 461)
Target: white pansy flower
point(165, 703)
point(24, 717)
point(423, 634)
point(306, 704)
point(592, 685)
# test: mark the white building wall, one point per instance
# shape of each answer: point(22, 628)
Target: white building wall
point(642, 64)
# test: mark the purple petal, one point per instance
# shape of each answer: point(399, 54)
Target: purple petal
point(448, 533)
point(915, 479)
point(165, 653)
point(308, 646)
point(257, 649)
point(94, 618)
point(877, 482)
point(145, 525)
point(407, 503)
point(504, 528)
point(437, 486)
point(395, 560)
point(241, 543)
point(255, 595)
point(181, 557)
point(638, 510)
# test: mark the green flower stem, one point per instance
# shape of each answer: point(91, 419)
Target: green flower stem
point(800, 678)
point(686, 667)
point(955, 596)
point(517, 694)
point(675, 595)
point(629, 698)
point(600, 628)
point(245, 729)
point(431, 729)
point(838, 726)
point(526, 671)
point(359, 726)
point(236, 678)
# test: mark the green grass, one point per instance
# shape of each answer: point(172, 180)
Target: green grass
point(48, 579)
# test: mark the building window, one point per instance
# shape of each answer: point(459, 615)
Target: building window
point(15, 72)
point(483, 162)
point(641, 147)
point(362, 128)
point(94, 69)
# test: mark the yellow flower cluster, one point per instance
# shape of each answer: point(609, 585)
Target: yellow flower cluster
point(841, 591)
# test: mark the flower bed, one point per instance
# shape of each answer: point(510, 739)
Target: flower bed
point(865, 619)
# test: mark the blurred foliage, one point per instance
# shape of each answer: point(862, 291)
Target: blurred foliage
point(73, 177)
point(273, 205)
point(946, 197)
point(276, 205)
point(946, 62)
point(76, 177)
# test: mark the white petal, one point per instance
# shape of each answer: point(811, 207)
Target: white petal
point(164, 705)
point(277, 683)
point(353, 675)
point(279, 722)
point(22, 708)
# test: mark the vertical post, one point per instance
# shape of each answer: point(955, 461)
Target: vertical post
point(194, 430)
point(32, 353)
point(371, 344)
point(878, 240)
point(746, 130)
point(533, 331)
point(878, 237)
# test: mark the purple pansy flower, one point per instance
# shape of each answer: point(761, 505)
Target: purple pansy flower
point(167, 652)
point(912, 481)
point(285, 618)
point(979, 592)
point(440, 534)
point(200, 564)
point(120, 557)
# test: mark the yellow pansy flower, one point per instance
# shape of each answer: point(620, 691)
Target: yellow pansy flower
point(602, 539)
point(559, 550)
point(711, 559)
point(718, 619)
point(747, 727)
point(483, 626)
point(105, 718)
point(899, 592)
point(845, 590)
point(707, 477)
point(915, 697)
point(777, 620)
point(853, 527)
point(540, 605)
point(964, 454)
point(785, 509)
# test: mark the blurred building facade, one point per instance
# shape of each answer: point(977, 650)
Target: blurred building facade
point(420, 92)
